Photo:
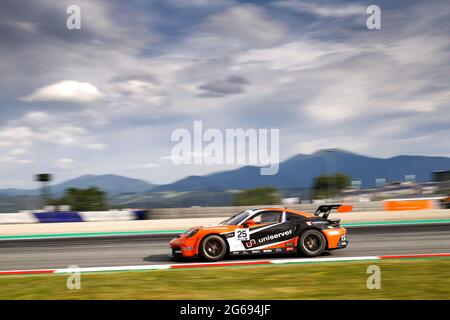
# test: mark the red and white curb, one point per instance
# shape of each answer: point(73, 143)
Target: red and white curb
point(218, 264)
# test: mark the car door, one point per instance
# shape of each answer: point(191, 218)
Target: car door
point(270, 229)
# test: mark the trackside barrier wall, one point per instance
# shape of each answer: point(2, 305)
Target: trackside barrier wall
point(212, 212)
point(18, 217)
point(409, 204)
point(182, 213)
point(71, 216)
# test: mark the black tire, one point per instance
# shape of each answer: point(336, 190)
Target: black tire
point(213, 248)
point(312, 243)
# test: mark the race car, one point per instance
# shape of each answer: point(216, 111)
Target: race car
point(265, 230)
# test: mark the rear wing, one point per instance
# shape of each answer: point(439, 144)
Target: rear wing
point(325, 209)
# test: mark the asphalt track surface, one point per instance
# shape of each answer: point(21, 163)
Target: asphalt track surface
point(153, 249)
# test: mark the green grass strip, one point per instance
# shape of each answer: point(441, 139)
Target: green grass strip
point(400, 279)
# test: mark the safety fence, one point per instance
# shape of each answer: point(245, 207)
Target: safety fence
point(71, 216)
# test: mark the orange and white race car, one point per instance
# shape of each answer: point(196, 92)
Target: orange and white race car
point(266, 230)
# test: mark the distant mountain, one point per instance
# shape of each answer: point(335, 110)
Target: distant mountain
point(296, 172)
point(300, 170)
point(110, 183)
point(12, 192)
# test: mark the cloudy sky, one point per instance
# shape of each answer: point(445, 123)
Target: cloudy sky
point(106, 98)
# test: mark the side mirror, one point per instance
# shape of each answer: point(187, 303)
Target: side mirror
point(249, 223)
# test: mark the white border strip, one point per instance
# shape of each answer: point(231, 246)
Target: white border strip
point(216, 264)
point(308, 260)
point(118, 268)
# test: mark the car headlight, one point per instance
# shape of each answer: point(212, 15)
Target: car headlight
point(190, 233)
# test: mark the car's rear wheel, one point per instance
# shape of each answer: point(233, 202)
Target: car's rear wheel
point(213, 248)
point(312, 243)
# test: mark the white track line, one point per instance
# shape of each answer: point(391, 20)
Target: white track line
point(217, 264)
point(118, 268)
point(308, 260)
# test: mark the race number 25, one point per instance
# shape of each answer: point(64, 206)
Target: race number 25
point(243, 234)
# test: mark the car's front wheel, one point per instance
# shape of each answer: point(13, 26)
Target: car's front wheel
point(312, 243)
point(213, 248)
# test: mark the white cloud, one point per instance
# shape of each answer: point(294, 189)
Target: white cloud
point(17, 151)
point(338, 10)
point(199, 3)
point(25, 161)
point(144, 166)
point(245, 25)
point(341, 100)
point(62, 134)
point(96, 146)
point(295, 55)
point(66, 91)
point(36, 129)
point(15, 133)
point(140, 92)
point(167, 158)
point(6, 159)
point(12, 160)
point(36, 118)
point(65, 163)
point(426, 48)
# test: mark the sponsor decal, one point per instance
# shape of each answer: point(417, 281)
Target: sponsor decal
point(250, 243)
point(275, 236)
point(248, 252)
point(267, 239)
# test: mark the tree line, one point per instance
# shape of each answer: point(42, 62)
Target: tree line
point(324, 186)
point(94, 199)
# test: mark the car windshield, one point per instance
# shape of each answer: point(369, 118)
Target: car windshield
point(236, 219)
